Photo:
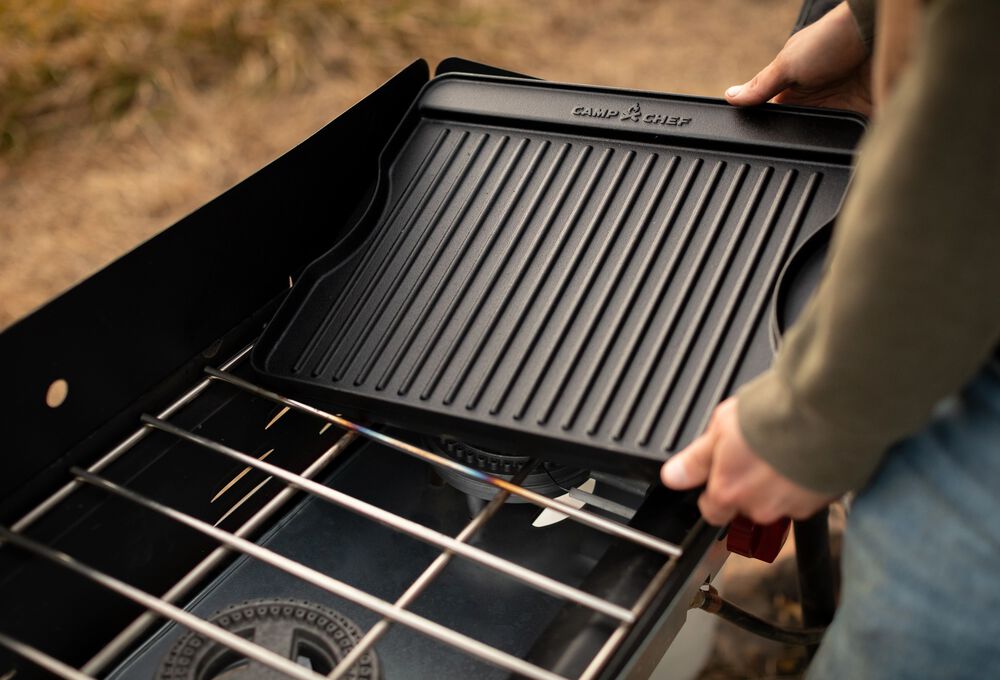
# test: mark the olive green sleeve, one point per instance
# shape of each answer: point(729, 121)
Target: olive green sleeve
point(909, 308)
point(864, 15)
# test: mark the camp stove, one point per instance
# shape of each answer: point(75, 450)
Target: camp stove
point(174, 505)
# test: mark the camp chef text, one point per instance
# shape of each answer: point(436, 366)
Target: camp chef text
point(633, 113)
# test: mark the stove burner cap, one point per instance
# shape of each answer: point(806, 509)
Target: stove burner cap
point(548, 479)
point(314, 636)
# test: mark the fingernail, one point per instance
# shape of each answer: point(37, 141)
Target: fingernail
point(734, 91)
point(674, 472)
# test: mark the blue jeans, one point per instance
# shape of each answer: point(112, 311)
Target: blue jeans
point(921, 561)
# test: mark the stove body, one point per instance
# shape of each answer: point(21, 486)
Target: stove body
point(136, 339)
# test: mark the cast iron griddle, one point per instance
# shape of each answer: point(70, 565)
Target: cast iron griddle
point(564, 271)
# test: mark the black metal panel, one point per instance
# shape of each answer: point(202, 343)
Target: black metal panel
point(123, 331)
point(460, 65)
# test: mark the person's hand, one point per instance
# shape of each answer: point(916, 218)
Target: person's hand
point(738, 480)
point(825, 64)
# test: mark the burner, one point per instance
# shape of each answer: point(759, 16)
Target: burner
point(548, 479)
point(312, 635)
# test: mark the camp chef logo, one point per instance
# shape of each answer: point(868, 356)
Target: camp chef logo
point(632, 114)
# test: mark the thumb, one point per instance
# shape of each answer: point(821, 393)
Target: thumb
point(689, 468)
point(766, 84)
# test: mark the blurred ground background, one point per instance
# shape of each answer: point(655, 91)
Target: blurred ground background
point(118, 117)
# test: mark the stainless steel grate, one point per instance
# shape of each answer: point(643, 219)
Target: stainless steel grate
point(236, 541)
point(41, 659)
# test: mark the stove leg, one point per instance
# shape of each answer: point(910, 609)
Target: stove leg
point(817, 586)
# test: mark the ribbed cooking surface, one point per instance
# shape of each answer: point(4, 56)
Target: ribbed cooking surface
point(600, 292)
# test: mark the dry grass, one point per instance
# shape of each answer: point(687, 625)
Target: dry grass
point(84, 62)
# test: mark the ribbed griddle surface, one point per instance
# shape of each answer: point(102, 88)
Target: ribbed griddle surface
point(568, 291)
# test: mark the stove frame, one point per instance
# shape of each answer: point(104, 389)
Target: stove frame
point(152, 324)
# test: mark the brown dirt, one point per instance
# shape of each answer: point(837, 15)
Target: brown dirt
point(89, 192)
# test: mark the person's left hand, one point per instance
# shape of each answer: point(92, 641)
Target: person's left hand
point(737, 479)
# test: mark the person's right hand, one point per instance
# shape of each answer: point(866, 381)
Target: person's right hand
point(825, 64)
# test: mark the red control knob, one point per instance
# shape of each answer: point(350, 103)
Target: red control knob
point(759, 541)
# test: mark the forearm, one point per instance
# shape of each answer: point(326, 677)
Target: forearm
point(910, 306)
